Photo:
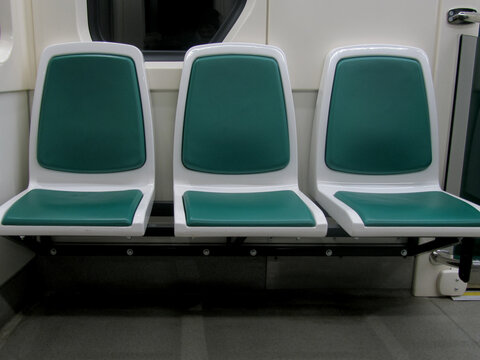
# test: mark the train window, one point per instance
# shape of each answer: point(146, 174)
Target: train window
point(163, 30)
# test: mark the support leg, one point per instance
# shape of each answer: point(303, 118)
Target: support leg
point(466, 258)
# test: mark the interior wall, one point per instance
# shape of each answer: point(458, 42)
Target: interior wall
point(306, 33)
point(14, 124)
point(309, 32)
point(163, 113)
point(16, 46)
point(17, 76)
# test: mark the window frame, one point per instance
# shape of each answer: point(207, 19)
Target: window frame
point(93, 14)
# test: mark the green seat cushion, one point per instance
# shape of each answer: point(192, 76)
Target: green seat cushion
point(431, 208)
point(378, 121)
point(277, 208)
point(70, 208)
point(91, 118)
point(235, 116)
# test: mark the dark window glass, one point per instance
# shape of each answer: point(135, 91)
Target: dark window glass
point(163, 30)
point(471, 165)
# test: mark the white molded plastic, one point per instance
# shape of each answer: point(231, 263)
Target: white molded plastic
point(142, 178)
point(324, 182)
point(284, 179)
point(449, 284)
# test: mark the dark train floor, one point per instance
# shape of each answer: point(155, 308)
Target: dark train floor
point(244, 325)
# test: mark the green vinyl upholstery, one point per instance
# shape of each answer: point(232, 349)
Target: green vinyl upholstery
point(70, 208)
point(91, 118)
point(431, 208)
point(276, 208)
point(235, 118)
point(378, 117)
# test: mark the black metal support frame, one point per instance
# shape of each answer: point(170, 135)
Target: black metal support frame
point(240, 247)
point(45, 246)
point(466, 258)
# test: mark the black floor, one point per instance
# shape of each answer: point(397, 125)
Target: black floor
point(249, 325)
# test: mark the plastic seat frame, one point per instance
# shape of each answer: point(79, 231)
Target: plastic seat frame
point(142, 178)
point(324, 182)
point(284, 179)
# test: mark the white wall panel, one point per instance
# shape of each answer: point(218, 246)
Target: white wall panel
point(164, 104)
point(59, 21)
point(304, 102)
point(251, 26)
point(16, 46)
point(14, 124)
point(308, 29)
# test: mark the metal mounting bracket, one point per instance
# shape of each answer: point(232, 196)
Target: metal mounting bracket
point(462, 16)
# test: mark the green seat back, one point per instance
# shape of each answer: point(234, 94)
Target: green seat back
point(91, 118)
point(378, 120)
point(235, 118)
